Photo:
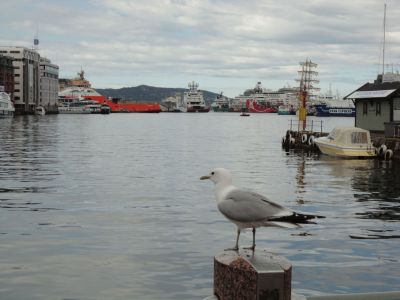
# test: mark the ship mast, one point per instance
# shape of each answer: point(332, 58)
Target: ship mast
point(307, 81)
point(384, 39)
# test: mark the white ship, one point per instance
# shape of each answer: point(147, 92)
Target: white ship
point(6, 106)
point(193, 99)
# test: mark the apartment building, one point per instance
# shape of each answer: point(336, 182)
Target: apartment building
point(26, 77)
point(7, 75)
point(48, 96)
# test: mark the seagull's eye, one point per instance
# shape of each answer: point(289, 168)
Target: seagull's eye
point(212, 173)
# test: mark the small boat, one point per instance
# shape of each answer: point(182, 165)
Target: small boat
point(347, 142)
point(244, 114)
point(40, 111)
point(6, 106)
point(105, 109)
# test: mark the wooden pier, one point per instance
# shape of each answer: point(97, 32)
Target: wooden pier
point(387, 148)
point(303, 139)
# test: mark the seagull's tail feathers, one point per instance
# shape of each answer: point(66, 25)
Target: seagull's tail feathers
point(282, 224)
point(295, 219)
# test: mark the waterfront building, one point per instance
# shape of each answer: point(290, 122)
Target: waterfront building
point(48, 85)
point(378, 104)
point(7, 75)
point(26, 77)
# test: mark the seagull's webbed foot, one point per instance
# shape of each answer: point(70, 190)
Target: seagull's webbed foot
point(232, 249)
point(236, 248)
point(252, 248)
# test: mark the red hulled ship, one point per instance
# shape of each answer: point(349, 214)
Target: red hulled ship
point(81, 88)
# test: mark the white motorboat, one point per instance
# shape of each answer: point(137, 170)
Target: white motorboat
point(6, 106)
point(40, 111)
point(347, 141)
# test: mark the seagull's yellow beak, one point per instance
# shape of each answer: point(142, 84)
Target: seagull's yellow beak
point(204, 177)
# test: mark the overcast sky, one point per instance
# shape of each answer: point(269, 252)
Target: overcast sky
point(224, 45)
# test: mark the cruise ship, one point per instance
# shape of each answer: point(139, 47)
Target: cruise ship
point(260, 100)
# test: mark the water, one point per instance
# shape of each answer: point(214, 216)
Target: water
point(111, 207)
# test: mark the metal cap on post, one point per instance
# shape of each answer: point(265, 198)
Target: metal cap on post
point(257, 275)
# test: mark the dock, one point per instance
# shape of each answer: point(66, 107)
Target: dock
point(303, 139)
point(387, 148)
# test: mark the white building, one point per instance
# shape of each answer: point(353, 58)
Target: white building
point(48, 96)
point(26, 72)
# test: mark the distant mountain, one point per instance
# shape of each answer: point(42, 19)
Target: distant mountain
point(145, 93)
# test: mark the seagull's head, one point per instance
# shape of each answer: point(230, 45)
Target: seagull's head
point(219, 175)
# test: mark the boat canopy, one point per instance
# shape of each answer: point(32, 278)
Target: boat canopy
point(350, 135)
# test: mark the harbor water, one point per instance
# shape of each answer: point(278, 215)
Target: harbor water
point(111, 206)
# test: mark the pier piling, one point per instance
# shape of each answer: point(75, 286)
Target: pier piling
point(252, 275)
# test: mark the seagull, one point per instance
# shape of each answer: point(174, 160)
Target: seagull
point(248, 209)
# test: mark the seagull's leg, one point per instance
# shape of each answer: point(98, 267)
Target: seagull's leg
point(236, 248)
point(254, 240)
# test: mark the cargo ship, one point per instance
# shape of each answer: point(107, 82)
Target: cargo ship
point(81, 88)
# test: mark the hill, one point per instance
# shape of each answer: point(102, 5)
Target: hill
point(145, 93)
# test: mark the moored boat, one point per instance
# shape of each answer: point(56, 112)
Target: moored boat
point(255, 106)
point(324, 110)
point(221, 104)
point(6, 106)
point(347, 142)
point(81, 88)
point(286, 110)
point(193, 99)
point(40, 110)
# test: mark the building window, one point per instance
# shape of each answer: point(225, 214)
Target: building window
point(15, 51)
point(378, 108)
point(365, 108)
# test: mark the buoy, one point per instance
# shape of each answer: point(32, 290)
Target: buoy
point(311, 140)
point(304, 138)
point(382, 150)
point(388, 154)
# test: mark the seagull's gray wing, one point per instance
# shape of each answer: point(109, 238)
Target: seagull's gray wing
point(245, 206)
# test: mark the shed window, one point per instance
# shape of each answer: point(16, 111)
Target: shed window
point(378, 108)
point(365, 108)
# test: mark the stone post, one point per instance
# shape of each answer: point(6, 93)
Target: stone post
point(257, 275)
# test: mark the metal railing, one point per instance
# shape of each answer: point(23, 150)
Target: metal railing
point(311, 126)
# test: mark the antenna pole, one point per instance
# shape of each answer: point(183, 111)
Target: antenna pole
point(384, 39)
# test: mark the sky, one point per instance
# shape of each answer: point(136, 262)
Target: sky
point(224, 45)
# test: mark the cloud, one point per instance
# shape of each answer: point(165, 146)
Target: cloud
point(164, 42)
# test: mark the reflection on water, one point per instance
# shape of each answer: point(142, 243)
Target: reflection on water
point(111, 207)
